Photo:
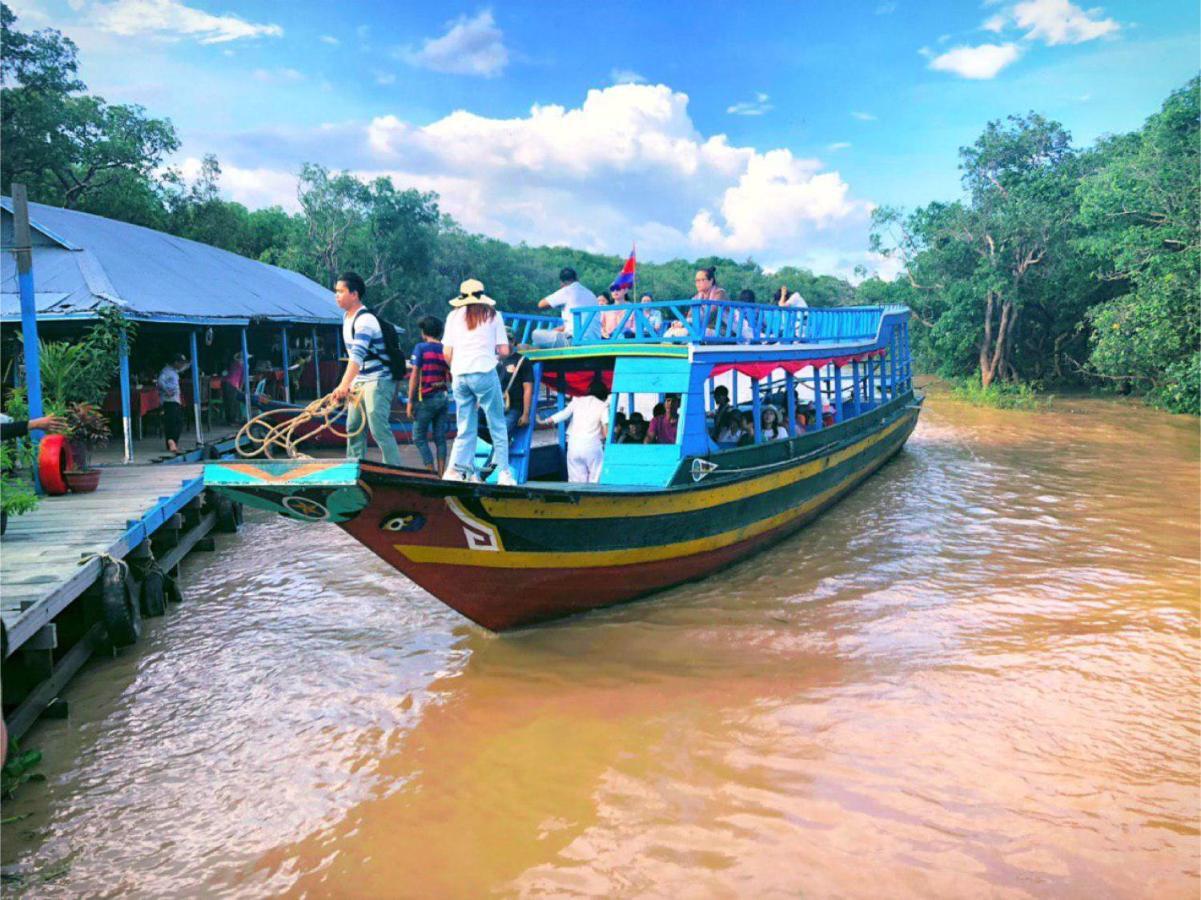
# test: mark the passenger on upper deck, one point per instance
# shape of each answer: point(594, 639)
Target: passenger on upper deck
point(706, 285)
point(663, 427)
point(570, 295)
point(589, 417)
point(609, 320)
point(654, 318)
point(788, 299)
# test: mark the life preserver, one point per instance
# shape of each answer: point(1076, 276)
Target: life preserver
point(54, 458)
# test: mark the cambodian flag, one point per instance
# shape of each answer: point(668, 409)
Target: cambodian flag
point(626, 278)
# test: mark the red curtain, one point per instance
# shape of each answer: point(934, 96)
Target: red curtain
point(764, 369)
point(577, 382)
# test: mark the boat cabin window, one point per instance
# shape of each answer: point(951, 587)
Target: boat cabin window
point(645, 418)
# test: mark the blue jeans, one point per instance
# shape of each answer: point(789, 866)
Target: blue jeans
point(473, 391)
point(549, 337)
point(512, 414)
point(376, 405)
point(431, 414)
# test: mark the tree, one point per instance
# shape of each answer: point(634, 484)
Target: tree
point(1142, 208)
point(64, 143)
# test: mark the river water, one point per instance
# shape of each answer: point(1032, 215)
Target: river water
point(977, 676)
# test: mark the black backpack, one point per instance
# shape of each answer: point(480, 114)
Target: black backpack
point(396, 360)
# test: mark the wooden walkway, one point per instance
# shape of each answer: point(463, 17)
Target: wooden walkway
point(40, 554)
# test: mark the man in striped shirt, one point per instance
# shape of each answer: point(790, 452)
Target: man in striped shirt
point(368, 372)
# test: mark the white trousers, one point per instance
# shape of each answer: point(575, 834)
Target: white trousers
point(584, 462)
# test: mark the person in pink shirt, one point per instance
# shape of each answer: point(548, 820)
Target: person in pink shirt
point(664, 427)
point(233, 387)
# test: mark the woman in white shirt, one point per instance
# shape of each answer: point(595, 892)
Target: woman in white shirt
point(589, 417)
point(473, 339)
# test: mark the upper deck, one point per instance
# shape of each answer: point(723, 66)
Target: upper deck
point(714, 329)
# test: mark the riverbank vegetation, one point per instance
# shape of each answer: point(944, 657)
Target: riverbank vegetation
point(1060, 265)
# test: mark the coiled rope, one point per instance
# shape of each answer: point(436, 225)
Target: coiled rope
point(266, 432)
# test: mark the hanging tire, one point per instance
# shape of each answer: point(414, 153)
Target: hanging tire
point(119, 608)
point(174, 594)
point(154, 593)
point(228, 515)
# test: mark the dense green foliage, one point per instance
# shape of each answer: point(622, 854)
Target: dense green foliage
point(1062, 265)
point(1057, 265)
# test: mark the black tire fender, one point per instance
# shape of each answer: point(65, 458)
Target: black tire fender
point(154, 594)
point(119, 608)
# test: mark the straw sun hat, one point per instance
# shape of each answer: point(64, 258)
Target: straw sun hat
point(472, 291)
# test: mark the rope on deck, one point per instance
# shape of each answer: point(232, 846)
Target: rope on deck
point(281, 434)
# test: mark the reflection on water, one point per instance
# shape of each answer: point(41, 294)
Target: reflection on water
point(976, 676)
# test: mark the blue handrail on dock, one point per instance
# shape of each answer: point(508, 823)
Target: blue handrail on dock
point(729, 322)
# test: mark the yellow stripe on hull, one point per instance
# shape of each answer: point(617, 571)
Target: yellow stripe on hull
point(583, 559)
point(600, 506)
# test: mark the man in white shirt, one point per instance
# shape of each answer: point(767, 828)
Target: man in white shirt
point(570, 295)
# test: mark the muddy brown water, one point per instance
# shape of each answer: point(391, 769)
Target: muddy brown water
point(977, 676)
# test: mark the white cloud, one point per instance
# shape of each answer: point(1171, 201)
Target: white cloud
point(838, 145)
point(330, 39)
point(626, 76)
point(1061, 22)
point(981, 62)
point(384, 78)
point(277, 76)
point(171, 20)
point(995, 24)
point(472, 46)
point(863, 116)
point(254, 188)
point(756, 107)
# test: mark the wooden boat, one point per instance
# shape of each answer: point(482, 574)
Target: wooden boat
point(661, 514)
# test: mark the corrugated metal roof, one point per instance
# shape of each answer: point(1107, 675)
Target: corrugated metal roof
point(81, 261)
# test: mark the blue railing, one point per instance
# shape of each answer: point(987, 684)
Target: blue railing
point(725, 322)
point(522, 325)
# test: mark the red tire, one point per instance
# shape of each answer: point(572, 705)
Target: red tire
point(54, 458)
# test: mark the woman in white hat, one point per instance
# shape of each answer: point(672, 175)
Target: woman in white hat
point(473, 340)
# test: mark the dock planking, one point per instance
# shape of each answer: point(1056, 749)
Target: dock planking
point(41, 575)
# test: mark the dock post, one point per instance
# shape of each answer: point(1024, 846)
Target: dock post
point(790, 402)
point(246, 375)
point(126, 419)
point(29, 311)
point(195, 385)
point(287, 374)
point(316, 365)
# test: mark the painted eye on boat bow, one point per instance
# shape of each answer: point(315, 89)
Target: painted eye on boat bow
point(402, 521)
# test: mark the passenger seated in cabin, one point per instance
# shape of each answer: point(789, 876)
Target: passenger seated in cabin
point(570, 295)
point(589, 417)
point(770, 426)
point(620, 426)
point(748, 429)
point(729, 427)
point(664, 427)
point(802, 420)
point(721, 404)
point(636, 429)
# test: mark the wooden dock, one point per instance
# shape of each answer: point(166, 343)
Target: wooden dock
point(50, 557)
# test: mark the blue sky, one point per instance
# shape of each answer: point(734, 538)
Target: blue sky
point(760, 129)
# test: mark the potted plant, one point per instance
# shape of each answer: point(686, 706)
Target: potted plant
point(89, 429)
point(16, 493)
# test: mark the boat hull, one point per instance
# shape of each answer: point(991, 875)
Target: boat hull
point(506, 557)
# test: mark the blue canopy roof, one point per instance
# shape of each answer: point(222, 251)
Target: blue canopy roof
point(81, 261)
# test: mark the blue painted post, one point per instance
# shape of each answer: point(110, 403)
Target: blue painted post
point(126, 419)
point(817, 399)
point(316, 365)
point(757, 409)
point(856, 406)
point(734, 387)
point(287, 372)
point(837, 393)
point(29, 313)
point(892, 364)
point(195, 386)
point(246, 375)
point(790, 400)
